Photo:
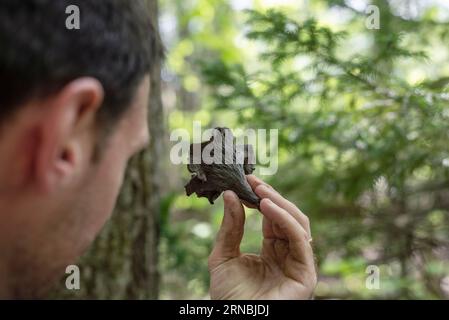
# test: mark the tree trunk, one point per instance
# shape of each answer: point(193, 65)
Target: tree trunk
point(144, 270)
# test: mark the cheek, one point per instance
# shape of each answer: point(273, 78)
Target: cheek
point(105, 187)
point(109, 173)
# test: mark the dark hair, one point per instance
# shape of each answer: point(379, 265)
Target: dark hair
point(39, 54)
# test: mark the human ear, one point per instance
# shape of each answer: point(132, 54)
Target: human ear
point(66, 133)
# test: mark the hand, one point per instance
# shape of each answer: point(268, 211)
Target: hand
point(285, 268)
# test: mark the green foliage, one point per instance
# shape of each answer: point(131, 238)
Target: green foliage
point(363, 122)
point(367, 147)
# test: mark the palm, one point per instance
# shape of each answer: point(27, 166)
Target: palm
point(264, 276)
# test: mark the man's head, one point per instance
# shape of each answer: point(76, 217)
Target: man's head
point(72, 113)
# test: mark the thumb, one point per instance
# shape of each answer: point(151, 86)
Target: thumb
point(227, 245)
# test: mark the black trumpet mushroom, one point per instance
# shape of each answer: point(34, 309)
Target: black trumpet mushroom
point(224, 169)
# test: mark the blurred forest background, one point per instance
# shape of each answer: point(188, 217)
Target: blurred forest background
point(363, 120)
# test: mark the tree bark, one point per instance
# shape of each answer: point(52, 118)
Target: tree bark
point(144, 272)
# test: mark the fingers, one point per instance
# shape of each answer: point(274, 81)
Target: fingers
point(254, 182)
point(264, 190)
point(296, 235)
point(284, 221)
point(227, 245)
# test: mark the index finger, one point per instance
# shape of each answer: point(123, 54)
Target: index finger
point(264, 190)
point(298, 238)
point(254, 182)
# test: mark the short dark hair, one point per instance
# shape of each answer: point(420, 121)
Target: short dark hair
point(39, 54)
